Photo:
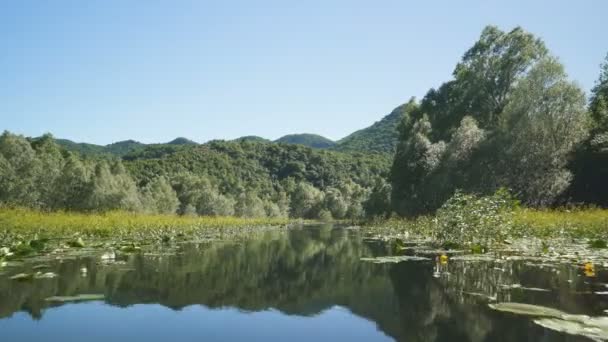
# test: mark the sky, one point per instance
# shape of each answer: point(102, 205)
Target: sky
point(150, 70)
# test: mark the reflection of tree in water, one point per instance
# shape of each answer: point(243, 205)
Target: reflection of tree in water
point(304, 272)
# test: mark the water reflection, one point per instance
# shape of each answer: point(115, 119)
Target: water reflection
point(311, 272)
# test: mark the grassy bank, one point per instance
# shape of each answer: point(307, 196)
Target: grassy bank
point(546, 223)
point(26, 224)
point(590, 223)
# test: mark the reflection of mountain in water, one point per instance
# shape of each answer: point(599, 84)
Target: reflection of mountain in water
point(303, 273)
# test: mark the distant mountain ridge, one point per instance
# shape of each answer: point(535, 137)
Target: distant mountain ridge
point(119, 148)
point(380, 137)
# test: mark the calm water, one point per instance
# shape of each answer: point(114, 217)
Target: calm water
point(305, 285)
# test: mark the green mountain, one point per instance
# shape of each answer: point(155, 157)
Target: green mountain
point(119, 148)
point(182, 141)
point(252, 138)
point(306, 139)
point(82, 148)
point(381, 137)
point(123, 147)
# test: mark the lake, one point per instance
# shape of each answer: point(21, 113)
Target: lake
point(313, 283)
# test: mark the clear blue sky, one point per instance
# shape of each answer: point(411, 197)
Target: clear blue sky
point(104, 71)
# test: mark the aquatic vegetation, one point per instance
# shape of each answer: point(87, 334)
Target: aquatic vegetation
point(78, 243)
point(575, 223)
point(22, 277)
point(476, 221)
point(598, 243)
point(595, 328)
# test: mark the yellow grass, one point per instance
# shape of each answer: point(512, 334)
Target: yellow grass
point(552, 222)
point(117, 222)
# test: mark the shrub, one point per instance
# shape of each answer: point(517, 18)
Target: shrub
point(470, 220)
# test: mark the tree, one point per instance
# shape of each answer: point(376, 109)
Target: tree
point(112, 188)
point(306, 201)
point(51, 163)
point(211, 203)
point(590, 162)
point(379, 202)
point(159, 197)
point(509, 118)
point(335, 203)
point(249, 205)
point(541, 126)
point(416, 159)
point(73, 186)
point(20, 171)
point(490, 69)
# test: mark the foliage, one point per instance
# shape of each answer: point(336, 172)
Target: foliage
point(217, 179)
point(509, 118)
point(378, 204)
point(27, 222)
point(159, 196)
point(590, 162)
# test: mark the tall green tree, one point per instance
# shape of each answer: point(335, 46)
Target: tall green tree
point(19, 172)
point(590, 164)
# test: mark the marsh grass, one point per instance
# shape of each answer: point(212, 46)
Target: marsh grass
point(583, 223)
point(26, 229)
point(575, 223)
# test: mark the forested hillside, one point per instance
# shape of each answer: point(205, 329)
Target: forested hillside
point(380, 137)
point(249, 179)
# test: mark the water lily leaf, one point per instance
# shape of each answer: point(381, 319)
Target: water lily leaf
point(481, 295)
point(76, 298)
point(518, 286)
point(39, 244)
point(40, 267)
point(527, 309)
point(130, 249)
point(47, 275)
point(395, 259)
point(78, 243)
point(22, 277)
point(474, 258)
point(594, 328)
point(108, 256)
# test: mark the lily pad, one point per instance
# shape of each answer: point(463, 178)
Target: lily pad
point(22, 277)
point(395, 259)
point(78, 243)
point(593, 328)
point(40, 267)
point(47, 275)
point(520, 287)
point(76, 298)
point(527, 309)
